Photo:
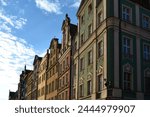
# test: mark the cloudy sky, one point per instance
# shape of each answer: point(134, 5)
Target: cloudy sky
point(26, 28)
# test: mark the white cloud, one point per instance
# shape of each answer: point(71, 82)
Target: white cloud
point(6, 21)
point(49, 6)
point(14, 54)
point(3, 2)
point(76, 4)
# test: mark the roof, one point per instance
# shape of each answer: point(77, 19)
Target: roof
point(36, 58)
point(81, 4)
point(54, 39)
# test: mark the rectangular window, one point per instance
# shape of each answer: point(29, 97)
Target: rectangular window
point(126, 13)
point(99, 18)
point(99, 83)
point(63, 81)
point(66, 95)
point(90, 8)
point(52, 86)
point(63, 96)
point(82, 19)
point(145, 22)
point(89, 87)
point(90, 30)
point(90, 57)
point(66, 78)
point(67, 62)
point(126, 46)
point(82, 39)
point(63, 65)
point(75, 47)
point(47, 89)
point(74, 93)
point(81, 90)
point(127, 81)
point(55, 84)
point(146, 52)
point(59, 83)
point(82, 64)
point(75, 66)
point(100, 49)
point(147, 84)
point(60, 69)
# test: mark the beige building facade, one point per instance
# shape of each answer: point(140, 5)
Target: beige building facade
point(52, 70)
point(42, 78)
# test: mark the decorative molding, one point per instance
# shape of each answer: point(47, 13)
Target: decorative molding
point(100, 70)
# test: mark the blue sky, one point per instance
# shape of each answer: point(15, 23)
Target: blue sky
point(26, 28)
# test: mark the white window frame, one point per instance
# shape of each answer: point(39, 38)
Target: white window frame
point(127, 14)
point(146, 52)
point(125, 45)
point(128, 69)
point(145, 24)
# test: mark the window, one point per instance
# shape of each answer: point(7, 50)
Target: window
point(63, 65)
point(89, 29)
point(89, 87)
point(100, 49)
point(82, 19)
point(127, 80)
point(59, 83)
point(63, 81)
point(66, 95)
point(146, 52)
point(43, 91)
point(39, 93)
point(89, 8)
point(49, 87)
point(99, 83)
point(126, 13)
point(66, 78)
point(62, 96)
point(67, 62)
point(82, 64)
point(75, 66)
point(145, 21)
point(126, 46)
point(55, 84)
point(75, 47)
point(52, 86)
point(74, 93)
point(147, 81)
point(81, 90)
point(82, 38)
point(60, 69)
point(90, 57)
point(100, 18)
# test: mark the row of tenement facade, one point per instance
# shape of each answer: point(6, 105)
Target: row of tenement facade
point(105, 56)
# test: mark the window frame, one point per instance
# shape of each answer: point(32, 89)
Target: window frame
point(143, 21)
point(90, 57)
point(125, 14)
point(146, 55)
